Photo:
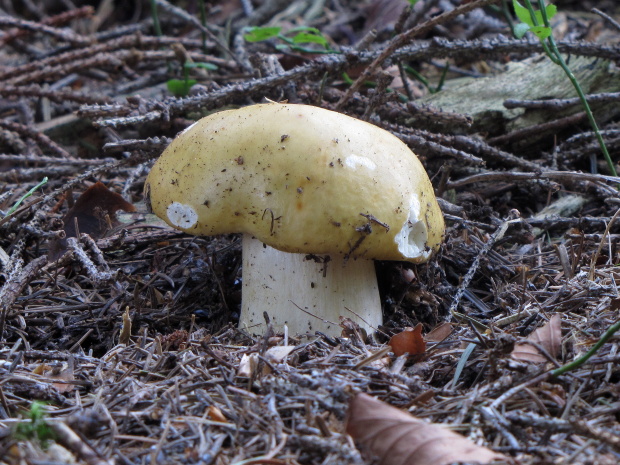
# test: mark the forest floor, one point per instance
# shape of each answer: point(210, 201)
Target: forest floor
point(119, 338)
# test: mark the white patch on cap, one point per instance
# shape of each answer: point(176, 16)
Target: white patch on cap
point(412, 238)
point(354, 161)
point(182, 216)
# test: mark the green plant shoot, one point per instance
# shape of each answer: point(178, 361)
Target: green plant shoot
point(25, 196)
point(293, 39)
point(35, 427)
point(537, 22)
point(532, 24)
point(181, 87)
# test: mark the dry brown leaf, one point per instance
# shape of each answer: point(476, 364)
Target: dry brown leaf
point(398, 438)
point(247, 365)
point(41, 369)
point(439, 333)
point(125, 334)
point(409, 341)
point(548, 336)
point(63, 375)
point(278, 353)
point(94, 213)
point(215, 414)
point(92, 210)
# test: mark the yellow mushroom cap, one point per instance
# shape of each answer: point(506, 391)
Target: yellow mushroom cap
point(301, 179)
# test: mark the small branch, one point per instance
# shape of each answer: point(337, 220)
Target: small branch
point(561, 103)
point(486, 248)
point(607, 18)
point(537, 129)
point(37, 136)
point(68, 438)
point(61, 34)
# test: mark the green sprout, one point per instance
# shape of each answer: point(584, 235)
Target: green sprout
point(24, 197)
point(537, 22)
point(181, 87)
point(294, 39)
point(531, 20)
point(34, 426)
point(588, 355)
point(155, 17)
point(433, 90)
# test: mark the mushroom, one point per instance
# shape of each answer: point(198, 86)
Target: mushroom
point(317, 196)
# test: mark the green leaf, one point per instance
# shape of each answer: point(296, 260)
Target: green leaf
point(551, 11)
point(541, 32)
point(539, 17)
point(304, 29)
point(258, 34)
point(310, 37)
point(208, 66)
point(24, 197)
point(522, 13)
point(180, 87)
point(520, 30)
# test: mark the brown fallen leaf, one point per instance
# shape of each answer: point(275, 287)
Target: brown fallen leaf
point(398, 438)
point(125, 333)
point(247, 365)
point(409, 341)
point(439, 333)
point(215, 414)
point(548, 336)
point(65, 374)
point(94, 213)
point(92, 210)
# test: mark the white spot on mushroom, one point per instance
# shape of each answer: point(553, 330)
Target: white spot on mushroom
point(181, 215)
point(411, 239)
point(354, 161)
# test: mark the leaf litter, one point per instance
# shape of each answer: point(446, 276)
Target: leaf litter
point(129, 337)
point(398, 438)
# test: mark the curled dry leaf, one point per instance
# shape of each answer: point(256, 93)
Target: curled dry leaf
point(247, 365)
point(125, 334)
point(409, 341)
point(92, 210)
point(398, 438)
point(215, 414)
point(548, 336)
point(94, 213)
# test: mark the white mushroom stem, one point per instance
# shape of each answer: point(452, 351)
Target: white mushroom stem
point(279, 283)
